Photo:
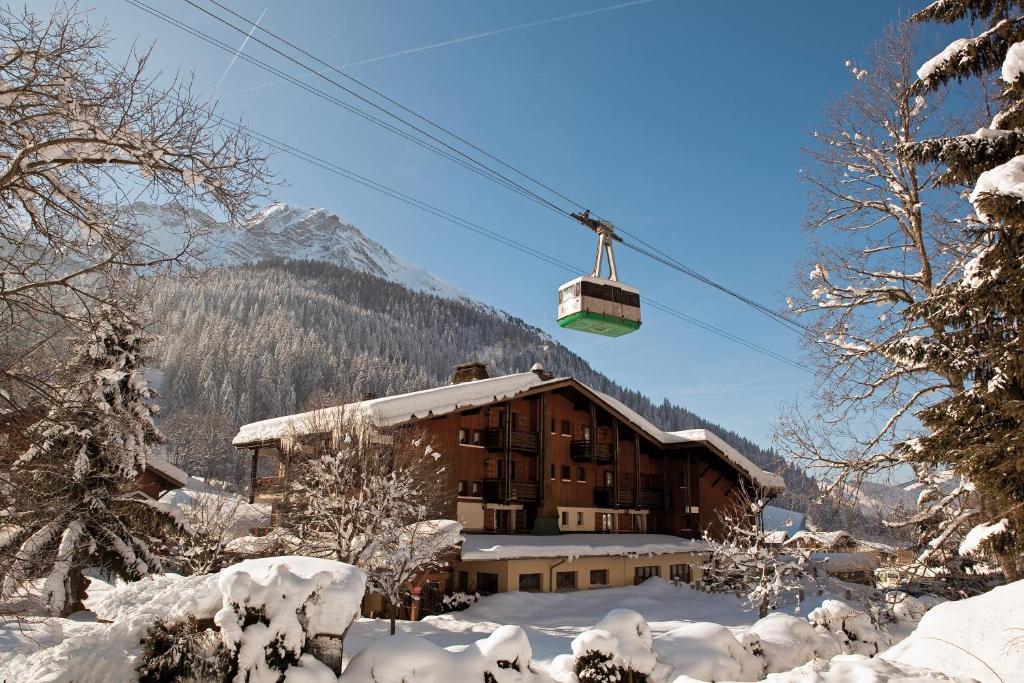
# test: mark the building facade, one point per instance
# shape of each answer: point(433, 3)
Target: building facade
point(531, 454)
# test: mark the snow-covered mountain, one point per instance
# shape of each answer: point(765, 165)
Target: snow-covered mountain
point(280, 231)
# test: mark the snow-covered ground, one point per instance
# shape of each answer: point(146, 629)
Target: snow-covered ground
point(552, 620)
point(679, 635)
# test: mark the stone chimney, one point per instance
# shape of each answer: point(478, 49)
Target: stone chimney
point(467, 372)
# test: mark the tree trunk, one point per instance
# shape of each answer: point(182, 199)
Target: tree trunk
point(77, 584)
point(762, 610)
point(391, 613)
point(1008, 564)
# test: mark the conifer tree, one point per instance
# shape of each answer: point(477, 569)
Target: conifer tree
point(69, 502)
point(979, 431)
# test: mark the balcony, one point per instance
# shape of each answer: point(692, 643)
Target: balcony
point(496, 491)
point(607, 497)
point(580, 451)
point(527, 442)
point(652, 499)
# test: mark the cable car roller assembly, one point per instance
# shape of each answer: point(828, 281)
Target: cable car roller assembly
point(597, 304)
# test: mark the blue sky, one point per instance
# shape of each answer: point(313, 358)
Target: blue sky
point(681, 121)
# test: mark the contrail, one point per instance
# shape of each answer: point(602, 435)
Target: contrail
point(234, 57)
point(453, 41)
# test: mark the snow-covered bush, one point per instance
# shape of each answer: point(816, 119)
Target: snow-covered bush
point(787, 641)
point(503, 657)
point(268, 612)
point(707, 652)
point(182, 650)
point(854, 629)
point(618, 648)
point(458, 601)
point(273, 607)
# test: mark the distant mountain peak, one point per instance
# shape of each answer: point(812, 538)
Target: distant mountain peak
point(284, 231)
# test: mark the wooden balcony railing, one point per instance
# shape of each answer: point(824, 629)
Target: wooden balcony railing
point(580, 451)
point(500, 490)
point(527, 442)
point(608, 497)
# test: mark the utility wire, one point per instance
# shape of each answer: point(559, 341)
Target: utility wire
point(485, 172)
point(401, 106)
point(366, 100)
point(651, 251)
point(329, 98)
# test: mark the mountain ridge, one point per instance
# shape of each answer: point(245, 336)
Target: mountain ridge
point(284, 231)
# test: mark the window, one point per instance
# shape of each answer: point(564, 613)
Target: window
point(681, 573)
point(515, 420)
point(478, 437)
point(462, 488)
point(579, 519)
point(609, 479)
point(586, 433)
point(552, 425)
point(566, 473)
point(598, 577)
point(639, 522)
point(464, 581)
point(604, 521)
point(566, 428)
point(552, 471)
point(529, 583)
point(565, 581)
point(581, 474)
point(565, 518)
point(486, 583)
point(474, 489)
point(463, 436)
point(641, 574)
point(512, 470)
point(267, 465)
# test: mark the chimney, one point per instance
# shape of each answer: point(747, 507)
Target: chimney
point(539, 370)
point(468, 372)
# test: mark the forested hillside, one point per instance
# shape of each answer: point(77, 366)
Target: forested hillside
point(255, 341)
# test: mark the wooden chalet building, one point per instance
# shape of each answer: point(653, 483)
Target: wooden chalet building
point(532, 454)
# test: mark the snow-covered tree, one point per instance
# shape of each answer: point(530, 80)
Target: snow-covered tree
point(79, 137)
point(69, 501)
point(978, 430)
point(370, 498)
point(213, 517)
point(747, 561)
point(888, 241)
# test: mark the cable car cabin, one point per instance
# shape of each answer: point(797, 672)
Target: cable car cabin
point(599, 306)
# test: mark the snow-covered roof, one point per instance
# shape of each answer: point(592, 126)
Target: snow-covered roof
point(491, 547)
point(821, 539)
point(767, 480)
point(846, 562)
point(781, 519)
point(165, 468)
point(393, 410)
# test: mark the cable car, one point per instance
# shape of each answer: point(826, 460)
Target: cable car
point(596, 304)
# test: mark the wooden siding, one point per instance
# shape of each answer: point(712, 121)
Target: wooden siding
point(682, 487)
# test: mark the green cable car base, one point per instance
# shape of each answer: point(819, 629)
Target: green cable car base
point(596, 323)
